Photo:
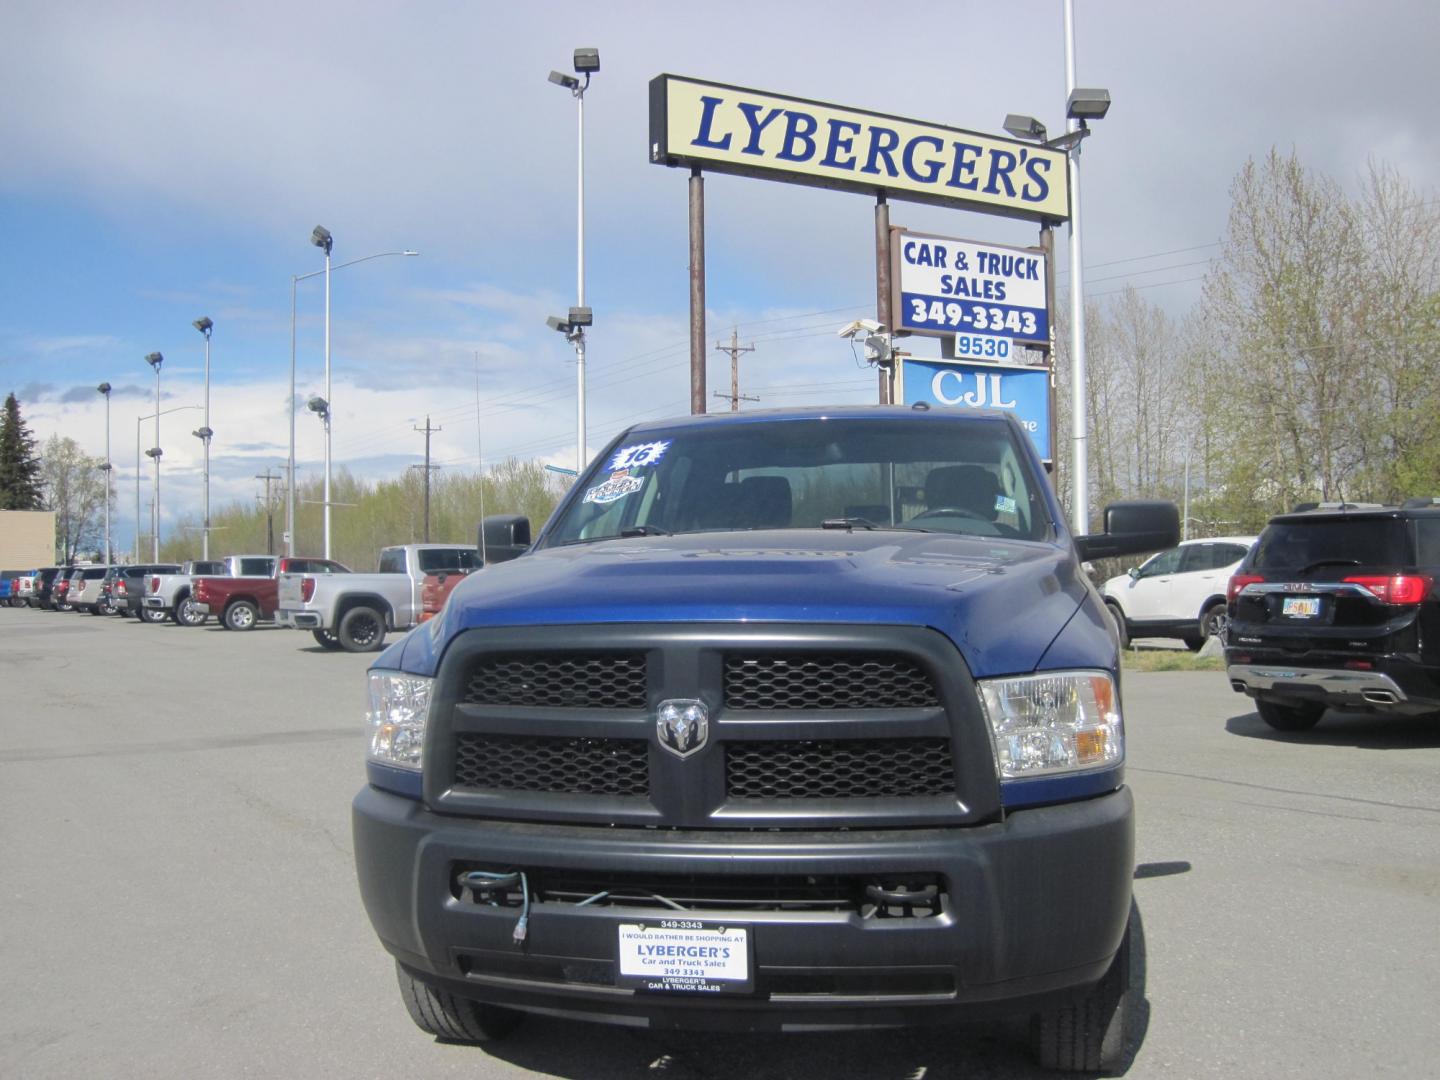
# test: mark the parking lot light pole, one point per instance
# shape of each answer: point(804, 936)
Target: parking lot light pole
point(321, 238)
point(138, 421)
point(205, 326)
point(104, 388)
point(290, 468)
point(155, 360)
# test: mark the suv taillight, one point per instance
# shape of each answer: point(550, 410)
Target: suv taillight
point(307, 589)
point(1238, 582)
point(1395, 588)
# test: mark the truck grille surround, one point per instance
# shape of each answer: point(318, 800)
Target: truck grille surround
point(813, 727)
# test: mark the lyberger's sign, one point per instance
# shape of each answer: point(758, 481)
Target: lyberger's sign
point(729, 129)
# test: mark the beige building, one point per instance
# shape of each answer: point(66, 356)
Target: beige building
point(27, 539)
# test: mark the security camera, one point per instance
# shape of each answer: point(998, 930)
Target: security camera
point(867, 326)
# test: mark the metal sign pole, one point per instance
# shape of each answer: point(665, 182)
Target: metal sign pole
point(882, 285)
point(697, 291)
point(1047, 245)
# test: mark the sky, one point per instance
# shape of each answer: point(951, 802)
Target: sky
point(164, 161)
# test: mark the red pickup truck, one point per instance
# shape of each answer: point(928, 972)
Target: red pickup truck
point(241, 602)
point(436, 589)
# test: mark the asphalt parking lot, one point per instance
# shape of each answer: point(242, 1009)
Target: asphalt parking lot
point(179, 899)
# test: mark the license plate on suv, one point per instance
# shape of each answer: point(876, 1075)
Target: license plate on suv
point(1300, 607)
point(684, 956)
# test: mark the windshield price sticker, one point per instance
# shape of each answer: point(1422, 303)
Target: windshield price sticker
point(684, 956)
point(946, 286)
point(980, 347)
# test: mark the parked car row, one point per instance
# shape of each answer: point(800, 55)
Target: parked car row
point(342, 609)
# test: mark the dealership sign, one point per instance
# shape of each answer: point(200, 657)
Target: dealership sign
point(730, 129)
point(1022, 391)
point(945, 287)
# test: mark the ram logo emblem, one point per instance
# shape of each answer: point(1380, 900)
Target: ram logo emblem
point(682, 725)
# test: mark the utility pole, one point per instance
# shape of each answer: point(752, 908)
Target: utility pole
point(735, 349)
point(268, 477)
point(427, 431)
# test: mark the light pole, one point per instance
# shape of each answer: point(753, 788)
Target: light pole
point(104, 388)
point(155, 360)
point(321, 238)
point(587, 63)
point(321, 408)
point(138, 421)
point(290, 470)
point(205, 326)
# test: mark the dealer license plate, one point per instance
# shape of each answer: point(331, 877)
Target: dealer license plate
point(1300, 607)
point(684, 956)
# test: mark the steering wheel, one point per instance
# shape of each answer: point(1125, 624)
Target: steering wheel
point(951, 511)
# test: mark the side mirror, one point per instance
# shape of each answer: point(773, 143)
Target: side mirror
point(1134, 573)
point(1133, 527)
point(504, 537)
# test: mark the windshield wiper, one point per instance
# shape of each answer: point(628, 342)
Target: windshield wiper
point(848, 523)
point(1329, 562)
point(645, 530)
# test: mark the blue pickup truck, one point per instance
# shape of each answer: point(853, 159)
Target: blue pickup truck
point(785, 721)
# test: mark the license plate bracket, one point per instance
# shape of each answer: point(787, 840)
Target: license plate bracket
point(685, 956)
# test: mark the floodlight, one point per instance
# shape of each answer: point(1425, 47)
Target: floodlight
point(1024, 127)
point(202, 433)
point(1090, 104)
point(203, 324)
point(154, 452)
point(321, 238)
point(104, 388)
point(318, 405)
point(559, 78)
point(587, 61)
point(557, 323)
point(155, 360)
point(581, 316)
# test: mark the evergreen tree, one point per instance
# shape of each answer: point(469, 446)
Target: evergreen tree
point(20, 487)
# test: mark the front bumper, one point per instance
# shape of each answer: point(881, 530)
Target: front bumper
point(1036, 906)
point(299, 620)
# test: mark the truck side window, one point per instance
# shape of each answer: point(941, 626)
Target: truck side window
point(392, 561)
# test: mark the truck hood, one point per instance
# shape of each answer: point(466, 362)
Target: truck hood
point(1001, 602)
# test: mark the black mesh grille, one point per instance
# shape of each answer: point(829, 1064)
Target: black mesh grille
point(839, 769)
point(560, 680)
point(790, 681)
point(576, 766)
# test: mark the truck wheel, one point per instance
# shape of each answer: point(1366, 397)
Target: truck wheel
point(186, 615)
point(1214, 622)
point(153, 615)
point(442, 1014)
point(361, 629)
point(1088, 1034)
point(241, 615)
point(326, 639)
point(1301, 717)
point(1118, 617)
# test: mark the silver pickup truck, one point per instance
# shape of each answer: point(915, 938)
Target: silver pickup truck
point(168, 595)
point(354, 611)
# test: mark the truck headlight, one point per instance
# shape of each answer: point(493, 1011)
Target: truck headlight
point(1057, 721)
point(399, 707)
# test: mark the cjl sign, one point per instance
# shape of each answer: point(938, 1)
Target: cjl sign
point(1024, 391)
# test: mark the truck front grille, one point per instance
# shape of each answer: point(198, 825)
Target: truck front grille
point(559, 765)
point(839, 769)
point(791, 681)
point(564, 680)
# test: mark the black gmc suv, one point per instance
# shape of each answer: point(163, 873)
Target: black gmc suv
point(1336, 607)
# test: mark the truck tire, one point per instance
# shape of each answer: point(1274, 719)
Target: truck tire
point(361, 629)
point(153, 615)
point(1299, 717)
point(1118, 617)
point(1088, 1034)
point(185, 613)
point(326, 639)
point(442, 1014)
point(241, 615)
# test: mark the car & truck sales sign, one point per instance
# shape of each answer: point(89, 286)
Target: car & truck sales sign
point(723, 128)
point(945, 287)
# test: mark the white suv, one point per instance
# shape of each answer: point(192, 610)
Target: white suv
point(1179, 593)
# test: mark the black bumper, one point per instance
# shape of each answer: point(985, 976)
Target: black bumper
point(1036, 906)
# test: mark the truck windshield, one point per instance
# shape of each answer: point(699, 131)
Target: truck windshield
point(932, 474)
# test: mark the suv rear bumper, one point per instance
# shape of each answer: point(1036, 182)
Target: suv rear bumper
point(1035, 906)
point(1392, 685)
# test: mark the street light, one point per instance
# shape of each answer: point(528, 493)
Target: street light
point(155, 360)
point(321, 238)
point(586, 63)
point(205, 326)
point(104, 388)
point(290, 472)
point(138, 421)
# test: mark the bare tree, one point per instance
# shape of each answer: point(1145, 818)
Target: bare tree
point(75, 487)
